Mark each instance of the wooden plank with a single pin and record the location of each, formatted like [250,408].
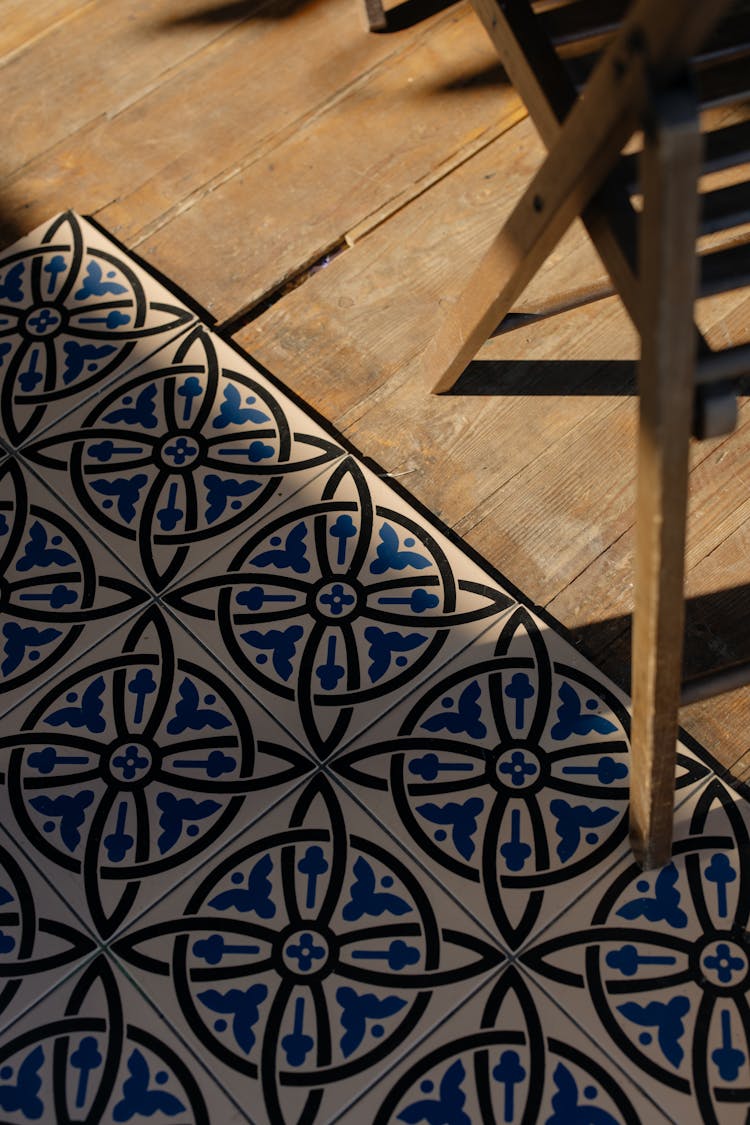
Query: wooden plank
[718,607]
[371,148]
[340,332]
[24,23]
[88,67]
[719,480]
[597,603]
[725,320]
[564,510]
[133,167]
[471,458]
[446,167]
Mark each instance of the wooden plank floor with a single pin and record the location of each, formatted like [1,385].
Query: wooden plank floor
[321,190]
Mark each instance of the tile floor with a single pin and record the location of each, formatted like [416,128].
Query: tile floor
[306,816]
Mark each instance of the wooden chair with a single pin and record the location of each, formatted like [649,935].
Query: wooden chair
[658,62]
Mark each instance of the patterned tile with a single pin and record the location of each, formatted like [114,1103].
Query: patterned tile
[308,959]
[304,817]
[134,765]
[94,1050]
[507,774]
[174,460]
[508,1055]
[41,940]
[75,310]
[60,590]
[339,604]
[656,966]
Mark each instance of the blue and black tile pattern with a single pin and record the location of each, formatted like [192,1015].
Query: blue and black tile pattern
[306,816]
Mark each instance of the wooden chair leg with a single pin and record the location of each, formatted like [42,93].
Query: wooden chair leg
[374,13]
[668,273]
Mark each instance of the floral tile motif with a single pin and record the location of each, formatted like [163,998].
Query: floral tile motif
[307,959]
[507,1056]
[40,938]
[74,311]
[336,607]
[656,966]
[508,774]
[173,460]
[304,816]
[60,591]
[135,764]
[94,1050]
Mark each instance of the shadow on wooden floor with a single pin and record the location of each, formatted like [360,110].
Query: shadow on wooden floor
[411,12]
[399,18]
[547,377]
[10,228]
[717,632]
[555,377]
[488,76]
[236,10]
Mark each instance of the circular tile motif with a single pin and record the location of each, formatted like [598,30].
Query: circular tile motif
[175,457]
[339,604]
[304,959]
[50,589]
[72,309]
[665,961]
[129,768]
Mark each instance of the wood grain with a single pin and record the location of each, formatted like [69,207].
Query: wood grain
[24,23]
[85,69]
[373,147]
[133,165]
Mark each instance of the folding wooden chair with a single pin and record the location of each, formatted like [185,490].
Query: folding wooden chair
[653,56]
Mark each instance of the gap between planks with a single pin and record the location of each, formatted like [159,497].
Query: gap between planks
[275,141]
[448,165]
[236,321]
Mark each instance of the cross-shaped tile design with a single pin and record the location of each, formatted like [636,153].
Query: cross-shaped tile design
[307,816]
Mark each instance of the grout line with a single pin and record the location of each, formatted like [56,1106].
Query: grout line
[79,654]
[247,687]
[567,1012]
[125,971]
[77,968]
[419,685]
[222,847]
[414,1047]
[495,938]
